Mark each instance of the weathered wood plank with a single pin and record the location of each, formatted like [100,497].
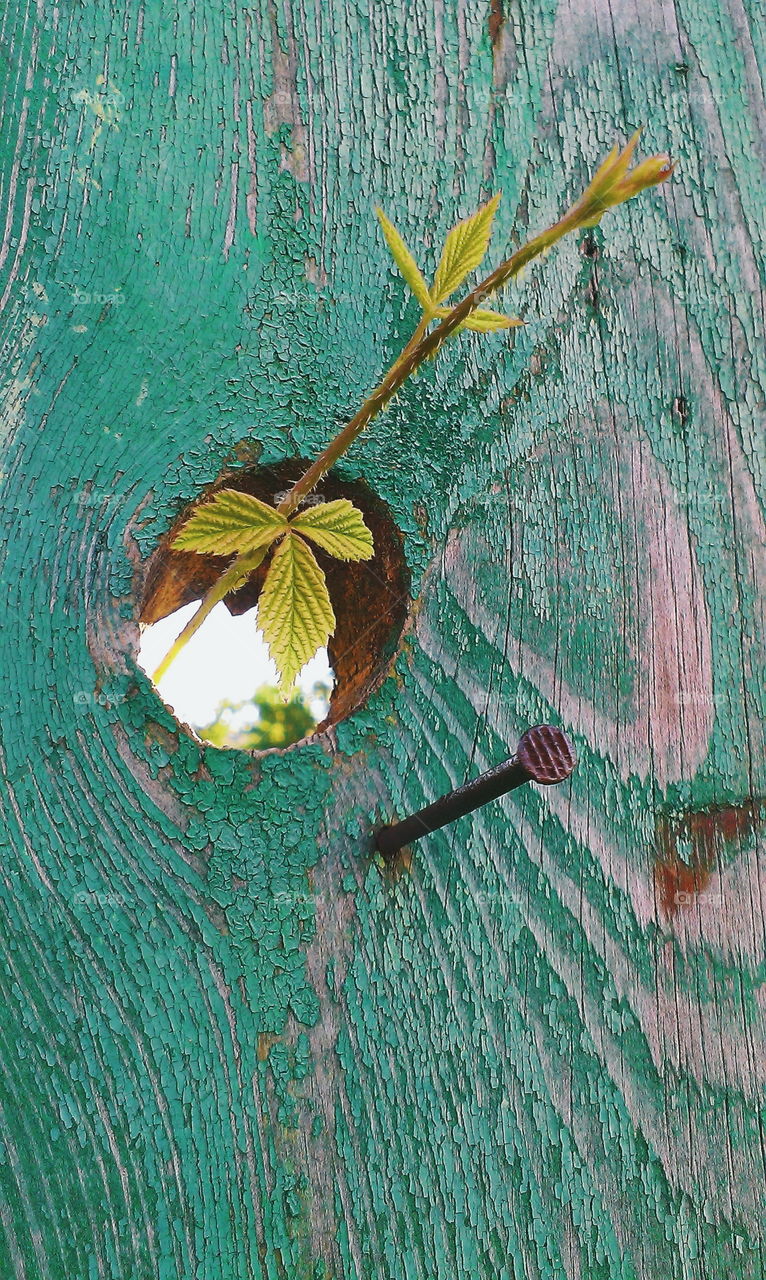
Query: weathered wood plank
[230,1046]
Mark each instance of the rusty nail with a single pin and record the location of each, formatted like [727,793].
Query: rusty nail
[544,755]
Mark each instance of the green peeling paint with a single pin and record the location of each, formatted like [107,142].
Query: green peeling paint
[233,1045]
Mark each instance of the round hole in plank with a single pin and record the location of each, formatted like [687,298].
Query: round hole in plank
[223,684]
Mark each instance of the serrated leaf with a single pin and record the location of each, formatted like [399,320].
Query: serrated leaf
[338,527]
[230,522]
[483,320]
[405,262]
[294,610]
[463,250]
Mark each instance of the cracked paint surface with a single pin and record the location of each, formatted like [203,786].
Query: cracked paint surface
[232,1046]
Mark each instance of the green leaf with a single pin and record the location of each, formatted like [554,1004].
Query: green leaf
[337,527]
[483,320]
[229,522]
[463,250]
[405,262]
[294,610]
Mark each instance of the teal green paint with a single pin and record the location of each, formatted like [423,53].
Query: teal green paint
[467,1054]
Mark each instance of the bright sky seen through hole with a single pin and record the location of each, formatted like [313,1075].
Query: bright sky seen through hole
[226,661]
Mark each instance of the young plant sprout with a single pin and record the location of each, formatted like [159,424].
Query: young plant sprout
[294,609]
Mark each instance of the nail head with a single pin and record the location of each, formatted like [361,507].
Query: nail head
[546,754]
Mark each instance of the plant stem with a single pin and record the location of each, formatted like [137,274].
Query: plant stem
[235,576]
[400,370]
[420,346]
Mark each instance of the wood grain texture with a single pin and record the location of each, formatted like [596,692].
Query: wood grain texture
[231,1047]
